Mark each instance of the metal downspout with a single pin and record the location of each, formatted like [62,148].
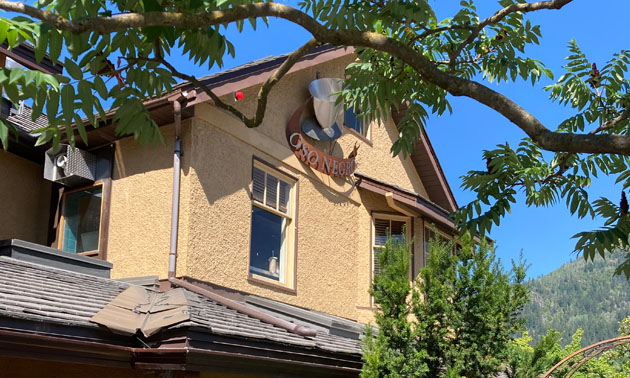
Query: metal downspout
[284,324]
[177,154]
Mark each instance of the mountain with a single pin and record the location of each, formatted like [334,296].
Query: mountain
[579,294]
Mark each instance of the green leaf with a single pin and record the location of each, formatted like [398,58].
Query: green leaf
[82,132]
[99,86]
[73,69]
[56,41]
[12,36]
[4,28]
[40,46]
[38,104]
[67,101]
[52,105]
[4,134]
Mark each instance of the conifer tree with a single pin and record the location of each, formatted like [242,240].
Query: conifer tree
[456,320]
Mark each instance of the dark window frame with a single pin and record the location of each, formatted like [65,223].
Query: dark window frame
[101,239]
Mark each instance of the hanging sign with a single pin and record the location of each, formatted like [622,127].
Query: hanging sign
[312,156]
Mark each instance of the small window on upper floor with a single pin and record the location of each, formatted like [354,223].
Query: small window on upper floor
[384,226]
[429,234]
[81,220]
[351,121]
[271,249]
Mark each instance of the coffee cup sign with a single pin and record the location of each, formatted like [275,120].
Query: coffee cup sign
[311,155]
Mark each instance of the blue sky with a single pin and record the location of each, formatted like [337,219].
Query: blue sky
[544,234]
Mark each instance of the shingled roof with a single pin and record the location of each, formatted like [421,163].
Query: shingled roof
[50,296]
[24,123]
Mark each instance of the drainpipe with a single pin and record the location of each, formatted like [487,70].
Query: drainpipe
[281,323]
[177,154]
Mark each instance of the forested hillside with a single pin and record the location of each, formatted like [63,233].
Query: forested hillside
[579,294]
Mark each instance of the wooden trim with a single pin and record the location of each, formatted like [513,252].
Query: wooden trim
[405,198]
[425,242]
[250,79]
[276,285]
[256,159]
[290,264]
[424,139]
[295,236]
[105,217]
[362,138]
[388,216]
[60,229]
[413,249]
[271,210]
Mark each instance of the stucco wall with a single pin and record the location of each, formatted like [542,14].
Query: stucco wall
[140,218]
[219,237]
[333,246]
[25,205]
[374,157]
[334,219]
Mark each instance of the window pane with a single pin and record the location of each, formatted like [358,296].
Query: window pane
[272,191]
[258,187]
[376,267]
[380,228]
[82,219]
[351,120]
[266,243]
[397,230]
[284,197]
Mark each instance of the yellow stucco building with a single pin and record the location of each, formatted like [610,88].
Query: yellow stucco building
[264,212]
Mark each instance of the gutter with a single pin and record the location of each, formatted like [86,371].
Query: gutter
[291,327]
[389,197]
[414,201]
[43,347]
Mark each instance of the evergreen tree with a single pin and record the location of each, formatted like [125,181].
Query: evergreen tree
[455,321]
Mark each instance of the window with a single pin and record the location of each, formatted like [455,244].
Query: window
[81,220]
[430,234]
[271,257]
[351,121]
[394,226]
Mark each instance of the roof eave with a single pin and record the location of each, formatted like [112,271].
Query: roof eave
[419,204]
[440,193]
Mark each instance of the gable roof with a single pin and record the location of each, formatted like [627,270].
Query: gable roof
[256,72]
[428,166]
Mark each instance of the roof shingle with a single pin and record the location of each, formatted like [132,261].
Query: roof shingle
[43,294]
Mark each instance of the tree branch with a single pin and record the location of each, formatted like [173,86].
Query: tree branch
[456,86]
[263,92]
[613,122]
[501,14]
[427,31]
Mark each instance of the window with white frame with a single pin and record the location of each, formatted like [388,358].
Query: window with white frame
[271,255]
[385,226]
